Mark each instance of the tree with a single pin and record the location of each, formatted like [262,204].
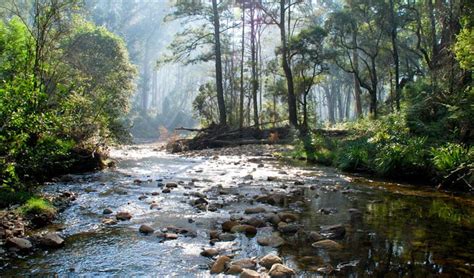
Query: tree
[277,14]
[197,38]
[360,50]
[101,70]
[306,50]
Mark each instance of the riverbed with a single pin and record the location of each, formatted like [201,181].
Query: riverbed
[389,229]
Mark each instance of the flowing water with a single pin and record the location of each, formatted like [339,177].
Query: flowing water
[392,230]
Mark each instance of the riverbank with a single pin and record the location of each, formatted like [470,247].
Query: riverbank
[163,214]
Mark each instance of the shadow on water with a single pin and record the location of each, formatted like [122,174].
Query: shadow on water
[390,230]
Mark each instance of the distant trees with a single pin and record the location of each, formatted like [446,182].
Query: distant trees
[206,33]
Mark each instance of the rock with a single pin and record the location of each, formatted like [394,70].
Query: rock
[299,182]
[171,236]
[154,206]
[245,263]
[276,199]
[248,177]
[288,217]
[42,219]
[89,190]
[248,273]
[109,221]
[334,232]
[328,211]
[219,265]
[247,229]
[51,240]
[315,236]
[107,211]
[171,185]
[327,244]
[234,270]
[142,197]
[227,237]
[228,225]
[285,228]
[211,252]
[257,223]
[166,190]
[273,218]
[281,271]
[18,243]
[273,241]
[269,260]
[145,229]
[328,269]
[123,216]
[199,201]
[272,178]
[254,210]
[213,234]
[155,193]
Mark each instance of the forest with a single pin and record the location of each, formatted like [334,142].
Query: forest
[378,90]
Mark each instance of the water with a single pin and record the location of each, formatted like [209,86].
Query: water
[391,230]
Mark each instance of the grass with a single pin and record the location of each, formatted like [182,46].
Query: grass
[36,205]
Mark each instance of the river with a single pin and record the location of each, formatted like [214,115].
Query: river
[390,229]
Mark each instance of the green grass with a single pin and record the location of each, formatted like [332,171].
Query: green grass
[37,205]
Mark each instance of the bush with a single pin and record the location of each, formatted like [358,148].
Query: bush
[451,156]
[403,159]
[354,155]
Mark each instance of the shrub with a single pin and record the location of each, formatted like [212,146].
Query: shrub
[403,159]
[354,155]
[449,157]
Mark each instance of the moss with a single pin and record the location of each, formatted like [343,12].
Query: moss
[37,205]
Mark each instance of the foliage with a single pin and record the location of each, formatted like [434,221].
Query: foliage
[450,157]
[354,155]
[52,103]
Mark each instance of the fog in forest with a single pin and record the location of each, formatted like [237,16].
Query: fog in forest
[167,87]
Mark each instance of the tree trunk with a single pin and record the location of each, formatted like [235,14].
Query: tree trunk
[219,86]
[253,51]
[292,117]
[241,104]
[357,89]
[393,36]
